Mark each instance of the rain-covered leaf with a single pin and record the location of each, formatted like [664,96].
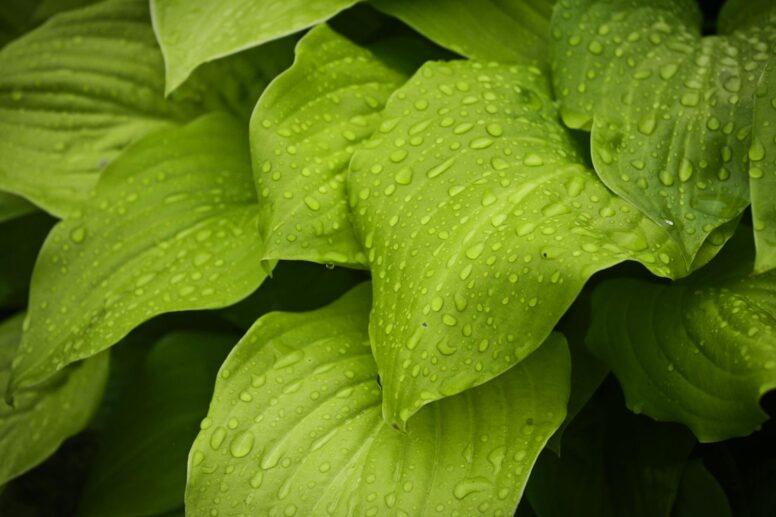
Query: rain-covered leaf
[78,90]
[670,111]
[44,415]
[20,241]
[480,238]
[12,206]
[140,468]
[497,30]
[295,428]
[762,169]
[172,226]
[613,464]
[701,351]
[192,33]
[304,130]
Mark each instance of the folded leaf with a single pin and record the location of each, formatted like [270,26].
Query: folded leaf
[295,428]
[670,111]
[303,133]
[43,416]
[762,169]
[481,238]
[140,468]
[498,30]
[172,227]
[701,351]
[192,33]
[78,90]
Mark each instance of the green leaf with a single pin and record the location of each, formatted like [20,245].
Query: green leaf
[78,90]
[43,416]
[12,206]
[303,133]
[762,170]
[140,468]
[670,111]
[172,227]
[497,30]
[20,241]
[295,428]
[700,494]
[481,238]
[613,464]
[193,33]
[701,351]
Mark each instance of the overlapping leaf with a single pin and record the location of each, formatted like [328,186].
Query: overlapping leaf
[140,468]
[481,225]
[192,33]
[79,89]
[762,170]
[498,30]
[303,133]
[295,428]
[20,242]
[172,226]
[43,416]
[670,111]
[701,352]
[12,206]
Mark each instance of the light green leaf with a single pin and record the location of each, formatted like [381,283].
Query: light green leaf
[303,133]
[670,111]
[12,206]
[172,227]
[701,351]
[497,30]
[192,33]
[480,239]
[43,416]
[140,468]
[78,90]
[762,170]
[295,428]
[20,242]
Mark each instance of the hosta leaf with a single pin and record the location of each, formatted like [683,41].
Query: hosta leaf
[700,494]
[479,239]
[498,30]
[762,170]
[192,33]
[670,111]
[701,351]
[43,416]
[303,133]
[140,468]
[172,226]
[295,428]
[20,241]
[12,206]
[78,90]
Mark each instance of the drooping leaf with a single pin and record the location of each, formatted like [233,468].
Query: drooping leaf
[613,464]
[303,133]
[481,238]
[295,428]
[670,111]
[140,468]
[762,169]
[78,90]
[12,206]
[700,494]
[193,33]
[20,241]
[172,227]
[496,30]
[701,351]
[43,416]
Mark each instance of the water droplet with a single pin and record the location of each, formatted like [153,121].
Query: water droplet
[242,444]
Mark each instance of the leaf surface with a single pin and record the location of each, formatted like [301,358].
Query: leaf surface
[191,34]
[480,239]
[140,468]
[670,111]
[701,351]
[295,428]
[172,227]
[303,133]
[43,416]
[762,169]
